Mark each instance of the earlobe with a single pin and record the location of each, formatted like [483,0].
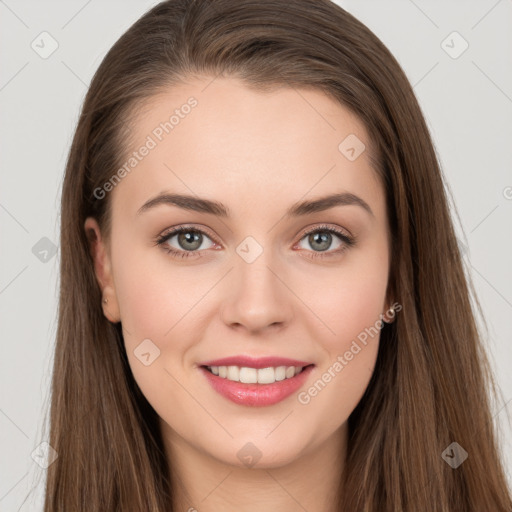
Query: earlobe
[389,314]
[102,270]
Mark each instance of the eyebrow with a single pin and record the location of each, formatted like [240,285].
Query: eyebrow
[301,208]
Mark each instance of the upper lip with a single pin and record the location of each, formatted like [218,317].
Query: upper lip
[255,362]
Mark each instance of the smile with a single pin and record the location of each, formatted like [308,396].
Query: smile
[256,382]
[250,375]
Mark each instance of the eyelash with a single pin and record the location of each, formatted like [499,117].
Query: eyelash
[349,241]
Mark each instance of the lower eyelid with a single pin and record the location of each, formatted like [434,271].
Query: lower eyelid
[345,240]
[333,233]
[164,240]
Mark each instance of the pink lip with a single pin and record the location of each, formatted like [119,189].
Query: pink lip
[257,395]
[259,362]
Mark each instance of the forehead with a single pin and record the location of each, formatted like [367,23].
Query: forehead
[220,139]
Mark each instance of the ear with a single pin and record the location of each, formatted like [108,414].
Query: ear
[390,312]
[102,269]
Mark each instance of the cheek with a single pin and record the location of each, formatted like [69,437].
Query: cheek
[349,301]
[153,307]
[158,302]
[141,303]
[151,298]
[350,307]
[354,323]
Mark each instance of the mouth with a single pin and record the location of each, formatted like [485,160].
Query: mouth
[249,375]
[256,387]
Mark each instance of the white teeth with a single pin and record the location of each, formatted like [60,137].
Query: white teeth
[247,375]
[233,373]
[266,375]
[281,373]
[252,375]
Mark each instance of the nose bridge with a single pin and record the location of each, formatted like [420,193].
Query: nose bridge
[253,269]
[257,296]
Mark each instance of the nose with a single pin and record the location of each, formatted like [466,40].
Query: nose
[257,297]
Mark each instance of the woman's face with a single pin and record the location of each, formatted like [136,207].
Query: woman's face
[256,274]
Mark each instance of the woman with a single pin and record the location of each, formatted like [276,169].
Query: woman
[255,368]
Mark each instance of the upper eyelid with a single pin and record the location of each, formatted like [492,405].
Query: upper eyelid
[167,234]
[176,231]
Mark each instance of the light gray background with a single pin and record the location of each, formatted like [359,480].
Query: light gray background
[467,102]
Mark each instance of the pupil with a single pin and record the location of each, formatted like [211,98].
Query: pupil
[193,237]
[325,239]
[187,237]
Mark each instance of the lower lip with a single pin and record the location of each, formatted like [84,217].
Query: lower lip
[257,395]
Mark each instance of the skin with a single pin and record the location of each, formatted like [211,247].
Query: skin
[258,153]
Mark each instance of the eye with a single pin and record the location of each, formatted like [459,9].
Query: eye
[321,238]
[189,241]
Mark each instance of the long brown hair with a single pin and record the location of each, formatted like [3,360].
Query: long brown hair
[432,380]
